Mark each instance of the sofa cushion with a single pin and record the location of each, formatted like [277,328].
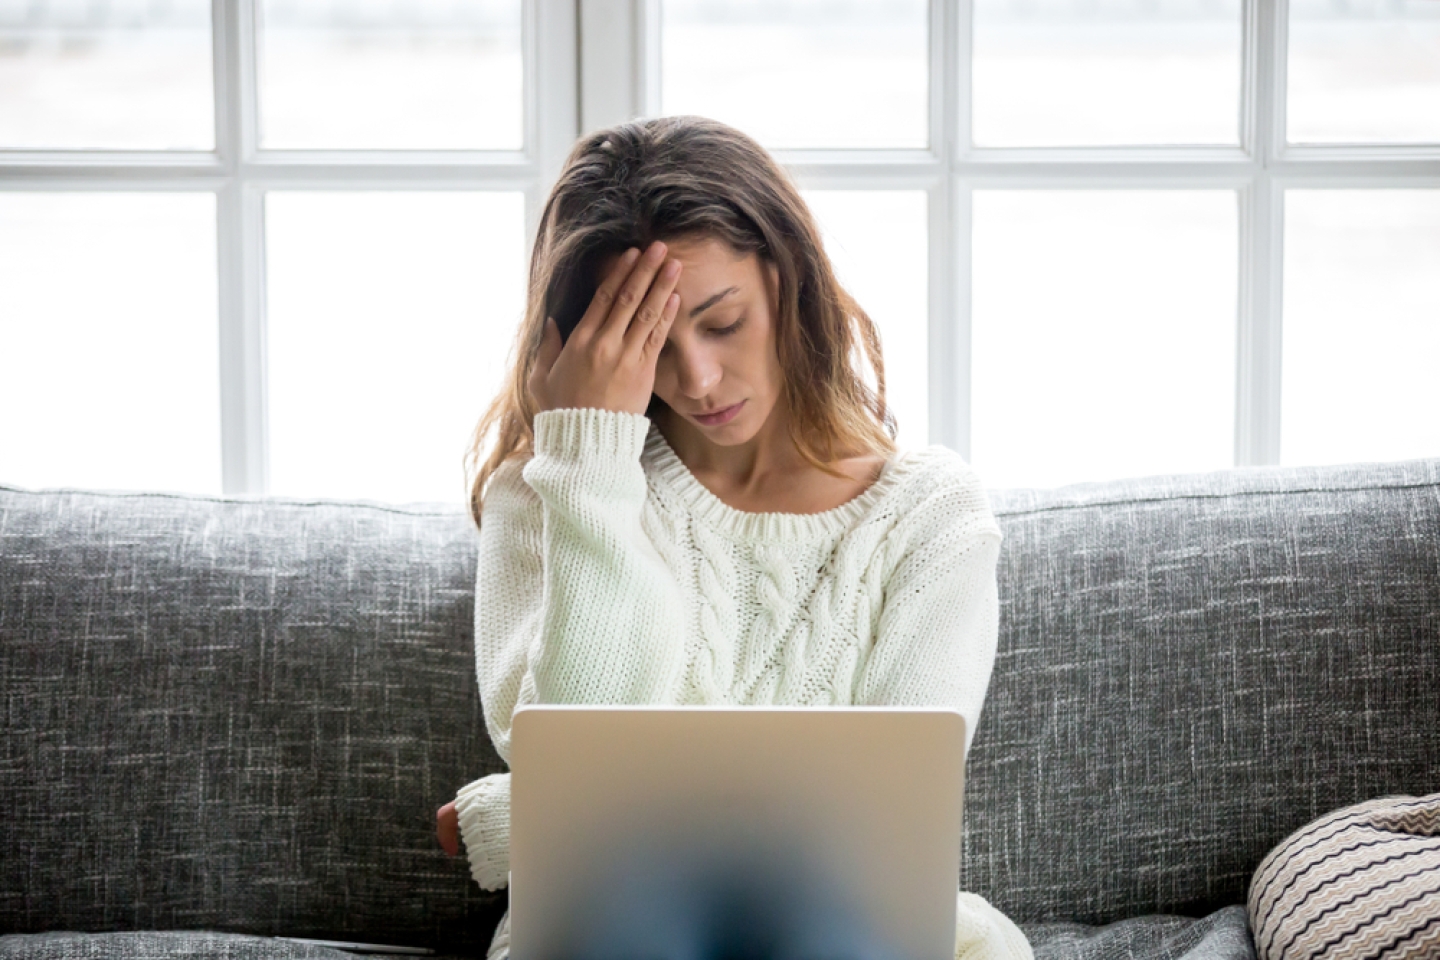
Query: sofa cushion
[169,945]
[236,715]
[176,945]
[1189,669]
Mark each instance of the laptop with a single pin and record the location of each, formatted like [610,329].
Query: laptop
[652,832]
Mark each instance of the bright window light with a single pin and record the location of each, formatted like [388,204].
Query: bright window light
[801,73]
[1104,334]
[1362,326]
[1364,71]
[109,354]
[390,319]
[876,241]
[424,74]
[116,76]
[1073,73]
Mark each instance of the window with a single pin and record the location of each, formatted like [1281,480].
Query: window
[267,246]
[278,246]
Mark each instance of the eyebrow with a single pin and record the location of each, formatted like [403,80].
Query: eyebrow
[712,301]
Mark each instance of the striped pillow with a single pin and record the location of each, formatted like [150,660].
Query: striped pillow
[1363,882]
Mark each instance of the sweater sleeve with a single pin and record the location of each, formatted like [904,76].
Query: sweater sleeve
[939,619]
[935,646]
[572,602]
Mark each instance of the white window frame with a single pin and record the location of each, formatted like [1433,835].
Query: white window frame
[1260,169]
[591,63]
[238,173]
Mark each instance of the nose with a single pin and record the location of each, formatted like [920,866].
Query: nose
[697,372]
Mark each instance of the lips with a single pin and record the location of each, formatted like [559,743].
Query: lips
[721,416]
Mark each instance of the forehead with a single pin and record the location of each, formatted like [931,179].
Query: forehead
[708,263]
[706,255]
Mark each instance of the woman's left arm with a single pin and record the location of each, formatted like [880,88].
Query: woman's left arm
[935,647]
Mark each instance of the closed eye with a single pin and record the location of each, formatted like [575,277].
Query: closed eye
[726,331]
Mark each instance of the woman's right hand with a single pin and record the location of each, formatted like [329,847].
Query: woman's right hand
[447,828]
[609,361]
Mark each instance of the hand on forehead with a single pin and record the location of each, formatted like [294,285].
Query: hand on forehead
[714,274]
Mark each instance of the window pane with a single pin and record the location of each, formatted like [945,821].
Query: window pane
[877,243]
[801,73]
[1103,334]
[1077,73]
[109,369]
[1362,326]
[389,321]
[427,74]
[131,76]
[1364,70]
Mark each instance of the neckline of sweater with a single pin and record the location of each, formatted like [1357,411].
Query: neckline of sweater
[666,465]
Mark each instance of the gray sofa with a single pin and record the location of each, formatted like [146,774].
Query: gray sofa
[227,720]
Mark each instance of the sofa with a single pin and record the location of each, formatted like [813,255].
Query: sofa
[232,720]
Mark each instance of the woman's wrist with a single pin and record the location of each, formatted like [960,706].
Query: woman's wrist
[581,433]
[483,814]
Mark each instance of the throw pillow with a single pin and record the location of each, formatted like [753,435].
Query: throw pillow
[1362,882]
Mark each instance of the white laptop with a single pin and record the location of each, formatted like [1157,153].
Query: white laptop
[646,833]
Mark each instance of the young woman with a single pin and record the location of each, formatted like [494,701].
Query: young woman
[688,494]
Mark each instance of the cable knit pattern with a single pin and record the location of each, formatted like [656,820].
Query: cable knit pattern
[609,574]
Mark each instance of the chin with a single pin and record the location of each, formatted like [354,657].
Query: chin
[732,434]
[741,430]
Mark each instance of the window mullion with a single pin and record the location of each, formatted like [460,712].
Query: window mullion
[551,55]
[241,251]
[950,340]
[619,61]
[949,228]
[1258,342]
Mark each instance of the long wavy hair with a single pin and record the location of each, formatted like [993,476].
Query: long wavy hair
[689,177]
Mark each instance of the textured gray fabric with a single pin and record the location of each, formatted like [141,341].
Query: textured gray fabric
[236,715]
[1190,669]
[241,716]
[1221,936]
[158,946]
[178,945]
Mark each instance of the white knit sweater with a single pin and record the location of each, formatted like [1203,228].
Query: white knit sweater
[609,574]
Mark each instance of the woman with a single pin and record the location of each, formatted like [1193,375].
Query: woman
[691,494]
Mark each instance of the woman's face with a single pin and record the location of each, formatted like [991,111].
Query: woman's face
[719,371]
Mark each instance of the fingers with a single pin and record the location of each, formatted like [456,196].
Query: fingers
[652,310]
[639,294]
[654,338]
[635,294]
[447,828]
[550,346]
[606,295]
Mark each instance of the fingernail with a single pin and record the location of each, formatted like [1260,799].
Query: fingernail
[672,269]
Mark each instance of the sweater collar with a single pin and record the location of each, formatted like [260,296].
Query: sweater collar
[665,468]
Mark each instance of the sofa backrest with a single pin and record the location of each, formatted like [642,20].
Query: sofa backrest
[242,715]
[236,716]
[1190,669]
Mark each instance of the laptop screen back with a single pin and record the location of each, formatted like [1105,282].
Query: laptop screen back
[785,823]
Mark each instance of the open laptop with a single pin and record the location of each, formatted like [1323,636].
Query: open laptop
[653,832]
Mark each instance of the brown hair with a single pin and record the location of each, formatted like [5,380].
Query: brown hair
[685,177]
